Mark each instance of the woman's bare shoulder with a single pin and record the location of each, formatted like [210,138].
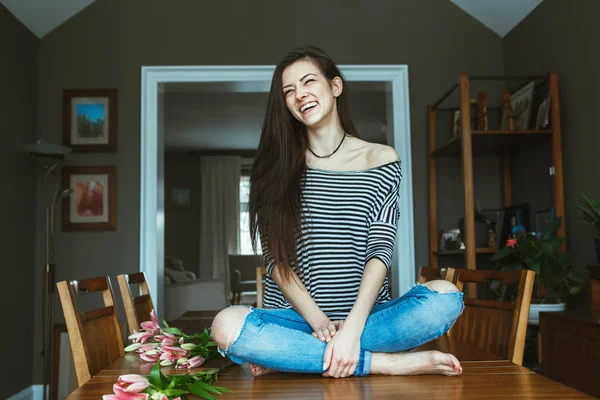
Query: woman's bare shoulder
[372,155]
[380,154]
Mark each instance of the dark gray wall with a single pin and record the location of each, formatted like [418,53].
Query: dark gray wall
[562,36]
[18,81]
[106,45]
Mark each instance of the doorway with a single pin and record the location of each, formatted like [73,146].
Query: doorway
[393,79]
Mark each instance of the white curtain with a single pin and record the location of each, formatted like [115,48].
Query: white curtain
[219,215]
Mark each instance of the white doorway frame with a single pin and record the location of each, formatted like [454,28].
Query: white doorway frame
[152,219]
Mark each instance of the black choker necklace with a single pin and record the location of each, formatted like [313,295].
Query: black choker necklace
[329,155]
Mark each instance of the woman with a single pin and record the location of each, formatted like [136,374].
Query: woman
[326,206]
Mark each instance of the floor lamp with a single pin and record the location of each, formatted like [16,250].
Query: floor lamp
[50,156]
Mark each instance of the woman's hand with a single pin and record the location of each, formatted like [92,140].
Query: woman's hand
[342,353]
[326,331]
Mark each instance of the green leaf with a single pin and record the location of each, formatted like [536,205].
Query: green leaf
[174,392]
[552,227]
[155,377]
[174,331]
[546,248]
[208,388]
[574,290]
[164,323]
[503,253]
[198,391]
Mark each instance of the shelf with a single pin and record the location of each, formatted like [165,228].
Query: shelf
[481,250]
[496,142]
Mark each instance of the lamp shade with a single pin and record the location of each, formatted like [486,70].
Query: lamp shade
[40,149]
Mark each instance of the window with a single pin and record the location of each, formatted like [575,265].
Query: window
[245,242]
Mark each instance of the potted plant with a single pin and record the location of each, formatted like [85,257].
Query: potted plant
[554,278]
[591,213]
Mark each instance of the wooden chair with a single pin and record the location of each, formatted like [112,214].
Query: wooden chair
[137,308]
[95,336]
[261,273]
[498,327]
[427,274]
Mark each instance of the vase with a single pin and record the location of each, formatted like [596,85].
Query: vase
[597,243]
[536,308]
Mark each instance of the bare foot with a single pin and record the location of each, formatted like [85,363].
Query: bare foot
[417,363]
[257,370]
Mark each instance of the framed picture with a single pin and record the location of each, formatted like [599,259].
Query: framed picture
[515,223]
[520,102]
[450,240]
[181,198]
[92,203]
[542,219]
[90,120]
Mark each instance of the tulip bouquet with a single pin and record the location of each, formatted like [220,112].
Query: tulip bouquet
[170,346]
[160,387]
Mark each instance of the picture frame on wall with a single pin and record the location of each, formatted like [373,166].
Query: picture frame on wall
[92,204]
[521,104]
[90,120]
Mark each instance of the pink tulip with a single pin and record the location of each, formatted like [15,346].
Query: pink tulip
[174,349]
[147,347]
[193,362]
[140,337]
[129,387]
[150,358]
[152,326]
[123,395]
[181,340]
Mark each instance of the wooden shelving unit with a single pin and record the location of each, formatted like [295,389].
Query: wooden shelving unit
[485,143]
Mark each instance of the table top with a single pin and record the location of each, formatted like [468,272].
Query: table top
[585,318]
[483,374]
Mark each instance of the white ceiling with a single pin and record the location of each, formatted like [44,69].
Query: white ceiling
[501,16]
[42,16]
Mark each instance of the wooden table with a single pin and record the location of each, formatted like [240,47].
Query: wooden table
[484,376]
[571,349]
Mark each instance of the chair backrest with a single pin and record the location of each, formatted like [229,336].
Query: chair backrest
[95,336]
[427,274]
[245,263]
[137,308]
[496,326]
[261,273]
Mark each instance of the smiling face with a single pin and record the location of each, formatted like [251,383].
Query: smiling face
[309,95]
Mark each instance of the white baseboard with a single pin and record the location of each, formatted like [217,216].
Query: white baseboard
[33,392]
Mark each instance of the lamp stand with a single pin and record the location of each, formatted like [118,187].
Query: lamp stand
[51,200]
[51,156]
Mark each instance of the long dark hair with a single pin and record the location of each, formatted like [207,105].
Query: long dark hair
[275,181]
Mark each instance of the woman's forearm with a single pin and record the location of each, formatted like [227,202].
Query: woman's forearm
[295,292]
[373,277]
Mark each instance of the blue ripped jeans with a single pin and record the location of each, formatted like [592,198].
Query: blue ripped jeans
[280,339]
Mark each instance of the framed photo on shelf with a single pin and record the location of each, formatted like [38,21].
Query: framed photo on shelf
[542,219]
[92,204]
[520,102]
[515,222]
[90,120]
[450,240]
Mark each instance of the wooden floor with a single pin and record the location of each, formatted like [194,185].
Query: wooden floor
[485,376]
